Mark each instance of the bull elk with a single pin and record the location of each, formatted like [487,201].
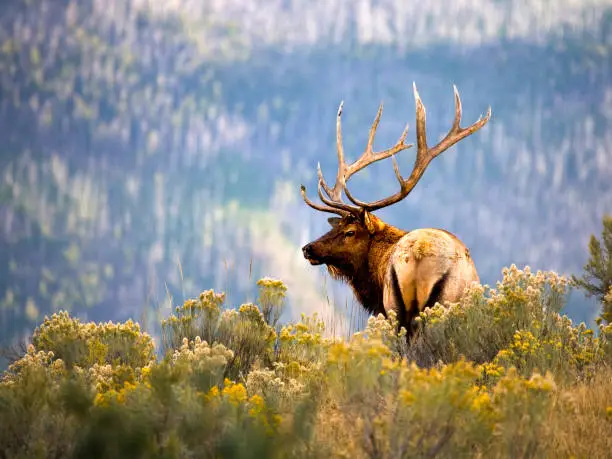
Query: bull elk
[389,268]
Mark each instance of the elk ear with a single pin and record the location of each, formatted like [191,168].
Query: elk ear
[372,222]
[334,221]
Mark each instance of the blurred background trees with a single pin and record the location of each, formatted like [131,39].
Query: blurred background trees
[151,150]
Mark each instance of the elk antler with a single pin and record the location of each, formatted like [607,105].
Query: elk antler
[424,154]
[333,200]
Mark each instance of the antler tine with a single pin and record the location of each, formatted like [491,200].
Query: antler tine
[319,207]
[335,193]
[334,199]
[424,154]
[373,128]
[322,181]
[340,149]
[457,120]
[363,204]
[339,205]
[456,133]
[368,157]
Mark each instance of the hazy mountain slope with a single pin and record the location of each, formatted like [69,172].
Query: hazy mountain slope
[129,135]
[407,24]
[543,156]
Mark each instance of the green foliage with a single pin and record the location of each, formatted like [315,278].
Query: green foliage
[597,278]
[271,299]
[525,329]
[107,82]
[84,345]
[244,331]
[496,383]
[86,87]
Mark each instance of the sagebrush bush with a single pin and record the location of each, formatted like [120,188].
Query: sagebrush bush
[518,324]
[271,299]
[501,374]
[81,344]
[245,331]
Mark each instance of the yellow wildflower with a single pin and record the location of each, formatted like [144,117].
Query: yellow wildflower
[407,397]
[234,393]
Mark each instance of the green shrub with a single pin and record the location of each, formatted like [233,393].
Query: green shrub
[597,278]
[245,331]
[271,299]
[518,324]
[85,344]
[501,374]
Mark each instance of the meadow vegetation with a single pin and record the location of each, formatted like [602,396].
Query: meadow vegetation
[501,374]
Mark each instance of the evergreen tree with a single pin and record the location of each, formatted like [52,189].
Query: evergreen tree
[597,278]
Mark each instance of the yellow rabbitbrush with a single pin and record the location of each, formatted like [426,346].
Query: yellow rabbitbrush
[499,384]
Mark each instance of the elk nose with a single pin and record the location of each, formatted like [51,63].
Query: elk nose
[307,250]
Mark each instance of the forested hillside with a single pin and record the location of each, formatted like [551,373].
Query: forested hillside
[155,149]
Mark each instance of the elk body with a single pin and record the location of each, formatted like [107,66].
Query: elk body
[387,267]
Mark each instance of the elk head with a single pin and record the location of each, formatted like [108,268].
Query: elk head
[347,247]
[347,244]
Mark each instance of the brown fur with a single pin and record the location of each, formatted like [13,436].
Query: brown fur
[388,268]
[381,263]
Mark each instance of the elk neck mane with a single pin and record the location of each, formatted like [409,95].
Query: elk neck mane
[367,280]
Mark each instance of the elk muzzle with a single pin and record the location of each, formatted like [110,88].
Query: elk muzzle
[310,255]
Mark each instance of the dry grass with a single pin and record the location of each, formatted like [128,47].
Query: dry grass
[580,426]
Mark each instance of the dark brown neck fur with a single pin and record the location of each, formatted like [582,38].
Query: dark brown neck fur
[368,279]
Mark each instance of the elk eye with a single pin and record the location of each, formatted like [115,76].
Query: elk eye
[349,233]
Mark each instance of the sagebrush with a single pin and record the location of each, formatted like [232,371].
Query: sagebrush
[501,374]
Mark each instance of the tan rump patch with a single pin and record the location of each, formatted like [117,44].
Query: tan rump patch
[428,242]
[422,247]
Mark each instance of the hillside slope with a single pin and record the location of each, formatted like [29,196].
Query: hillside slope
[129,135]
